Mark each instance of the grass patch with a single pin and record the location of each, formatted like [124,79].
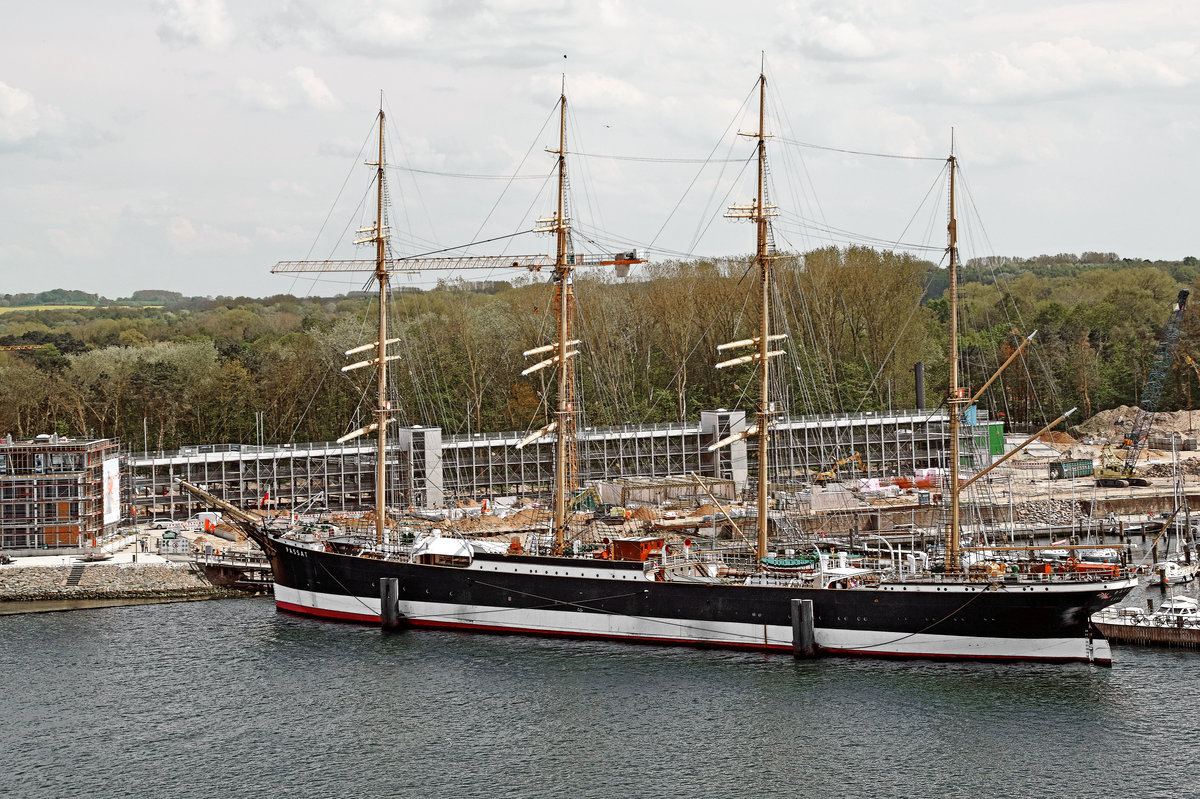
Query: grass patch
[16,308]
[45,308]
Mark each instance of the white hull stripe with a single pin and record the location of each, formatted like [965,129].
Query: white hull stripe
[726,634]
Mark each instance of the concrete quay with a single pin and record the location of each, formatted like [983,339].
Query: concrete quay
[127,575]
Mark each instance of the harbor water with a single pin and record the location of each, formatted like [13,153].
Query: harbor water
[229,698]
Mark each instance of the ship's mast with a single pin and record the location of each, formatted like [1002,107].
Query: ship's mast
[760,213]
[958,396]
[382,406]
[565,416]
[764,334]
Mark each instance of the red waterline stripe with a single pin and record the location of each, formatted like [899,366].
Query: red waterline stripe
[336,615]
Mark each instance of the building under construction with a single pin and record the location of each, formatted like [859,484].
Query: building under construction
[57,492]
[429,469]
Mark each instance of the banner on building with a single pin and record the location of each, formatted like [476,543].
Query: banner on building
[112,491]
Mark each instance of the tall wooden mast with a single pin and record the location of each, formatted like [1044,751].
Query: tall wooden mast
[958,396]
[565,461]
[765,407]
[566,467]
[382,406]
[760,213]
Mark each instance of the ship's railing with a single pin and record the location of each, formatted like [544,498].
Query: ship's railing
[1007,578]
[241,560]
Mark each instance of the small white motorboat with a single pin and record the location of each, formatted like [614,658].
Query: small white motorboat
[1169,572]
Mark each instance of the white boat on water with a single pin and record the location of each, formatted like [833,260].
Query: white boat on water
[1169,572]
[1178,612]
[1179,609]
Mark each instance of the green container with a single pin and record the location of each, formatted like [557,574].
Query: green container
[1060,470]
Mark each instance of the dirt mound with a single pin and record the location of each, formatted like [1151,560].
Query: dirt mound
[643,513]
[1113,425]
[529,516]
[1055,437]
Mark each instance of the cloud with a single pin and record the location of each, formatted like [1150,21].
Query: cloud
[1065,67]
[340,147]
[289,188]
[314,90]
[29,126]
[194,23]
[348,26]
[20,118]
[186,237]
[303,89]
[828,39]
[596,92]
[259,95]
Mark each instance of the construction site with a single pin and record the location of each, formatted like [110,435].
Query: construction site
[893,494]
[428,470]
[57,492]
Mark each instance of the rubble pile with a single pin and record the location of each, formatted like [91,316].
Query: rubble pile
[104,581]
[1189,466]
[1049,511]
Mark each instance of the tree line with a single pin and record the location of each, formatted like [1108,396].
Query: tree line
[197,370]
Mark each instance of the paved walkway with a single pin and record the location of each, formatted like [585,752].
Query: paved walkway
[122,551]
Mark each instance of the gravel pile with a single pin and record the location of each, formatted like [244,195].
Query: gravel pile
[1050,511]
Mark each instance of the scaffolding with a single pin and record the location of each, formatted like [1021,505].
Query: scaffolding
[52,491]
[429,469]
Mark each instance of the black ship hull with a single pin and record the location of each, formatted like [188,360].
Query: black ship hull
[997,620]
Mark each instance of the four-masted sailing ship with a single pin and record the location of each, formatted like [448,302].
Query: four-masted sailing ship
[906,609]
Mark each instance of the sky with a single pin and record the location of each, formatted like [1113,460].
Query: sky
[188,145]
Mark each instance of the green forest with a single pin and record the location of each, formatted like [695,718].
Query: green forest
[161,370]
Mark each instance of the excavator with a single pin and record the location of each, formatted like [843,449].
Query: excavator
[830,474]
[1113,472]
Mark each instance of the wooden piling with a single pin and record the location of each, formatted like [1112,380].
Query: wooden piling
[389,603]
[804,644]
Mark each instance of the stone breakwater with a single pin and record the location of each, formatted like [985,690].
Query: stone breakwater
[107,581]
